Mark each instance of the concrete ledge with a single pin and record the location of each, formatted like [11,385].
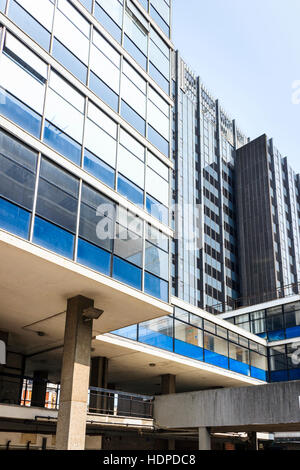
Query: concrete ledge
[264,408]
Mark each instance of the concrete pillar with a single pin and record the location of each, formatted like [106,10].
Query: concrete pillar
[3,347]
[98,378]
[168,384]
[71,423]
[39,388]
[204,439]
[252,439]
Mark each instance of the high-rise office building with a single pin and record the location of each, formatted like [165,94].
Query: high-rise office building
[205,142]
[121,217]
[268,213]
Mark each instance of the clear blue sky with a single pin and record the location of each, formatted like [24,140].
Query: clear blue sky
[247,53]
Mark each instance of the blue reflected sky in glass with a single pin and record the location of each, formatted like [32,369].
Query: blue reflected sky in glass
[96,167]
[130,191]
[14,219]
[2,5]
[22,115]
[62,143]
[53,238]
[133,118]
[157,210]
[69,60]
[160,22]
[87,4]
[93,257]
[104,91]
[156,287]
[159,78]
[127,273]
[28,24]
[135,52]
[156,139]
[107,22]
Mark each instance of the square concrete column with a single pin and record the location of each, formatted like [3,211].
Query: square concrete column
[71,423]
[39,388]
[204,439]
[98,378]
[168,384]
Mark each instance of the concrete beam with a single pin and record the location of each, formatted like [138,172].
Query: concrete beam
[263,408]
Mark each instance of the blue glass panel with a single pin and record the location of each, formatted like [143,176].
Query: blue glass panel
[294,374]
[104,92]
[259,374]
[13,219]
[216,359]
[279,376]
[129,332]
[239,367]
[160,22]
[188,350]
[157,210]
[2,5]
[159,78]
[276,335]
[107,23]
[144,3]
[130,191]
[156,287]
[154,338]
[69,61]
[98,168]
[156,139]
[293,332]
[135,52]
[133,118]
[18,112]
[127,273]
[87,4]
[261,335]
[28,24]
[62,143]
[93,257]
[53,238]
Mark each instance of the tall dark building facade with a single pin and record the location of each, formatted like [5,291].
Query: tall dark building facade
[267,193]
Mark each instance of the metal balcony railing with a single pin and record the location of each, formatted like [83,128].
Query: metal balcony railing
[18,390]
[261,297]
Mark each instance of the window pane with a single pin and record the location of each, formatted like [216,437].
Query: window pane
[21,114]
[157,210]
[156,261]
[156,287]
[156,139]
[53,238]
[128,245]
[97,218]
[188,341]
[62,143]
[104,92]
[135,52]
[130,191]
[107,22]
[131,167]
[100,143]
[57,196]
[22,84]
[133,118]
[28,24]
[158,333]
[93,257]
[99,169]
[17,171]
[69,60]
[127,273]
[14,219]
[72,38]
